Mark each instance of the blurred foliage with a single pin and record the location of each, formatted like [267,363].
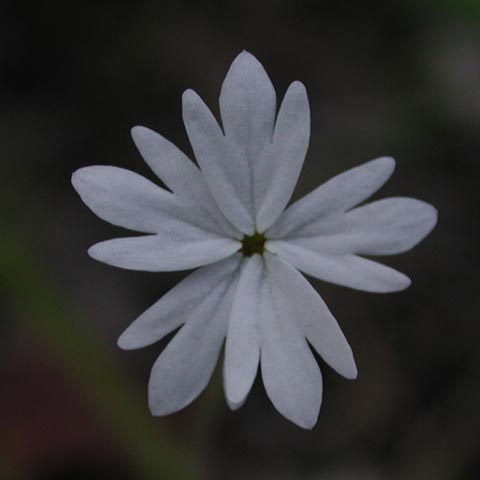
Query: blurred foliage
[41,307]
[467,9]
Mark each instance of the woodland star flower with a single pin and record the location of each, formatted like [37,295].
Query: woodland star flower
[228,217]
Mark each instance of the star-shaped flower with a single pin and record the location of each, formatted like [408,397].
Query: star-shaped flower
[228,218]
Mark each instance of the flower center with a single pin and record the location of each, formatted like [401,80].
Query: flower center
[252,244]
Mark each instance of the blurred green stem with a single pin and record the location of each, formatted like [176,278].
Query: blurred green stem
[43,311]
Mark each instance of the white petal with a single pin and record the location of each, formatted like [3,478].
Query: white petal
[307,216]
[242,348]
[124,198]
[385,227]
[388,226]
[290,373]
[224,177]
[347,270]
[184,368]
[278,171]
[129,200]
[180,305]
[252,169]
[165,252]
[247,105]
[179,174]
[247,108]
[313,316]
[168,162]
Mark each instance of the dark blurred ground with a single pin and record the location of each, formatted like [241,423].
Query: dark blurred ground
[396,78]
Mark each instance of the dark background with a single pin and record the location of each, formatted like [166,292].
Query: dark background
[398,78]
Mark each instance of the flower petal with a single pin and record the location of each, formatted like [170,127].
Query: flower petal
[313,316]
[242,348]
[165,252]
[184,368]
[388,226]
[124,198]
[247,106]
[253,168]
[347,270]
[307,216]
[179,174]
[225,178]
[129,200]
[168,162]
[178,306]
[277,173]
[290,373]
[385,227]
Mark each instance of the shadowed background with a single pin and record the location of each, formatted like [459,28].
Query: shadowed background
[400,80]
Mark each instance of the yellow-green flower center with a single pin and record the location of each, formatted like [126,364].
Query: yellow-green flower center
[252,244]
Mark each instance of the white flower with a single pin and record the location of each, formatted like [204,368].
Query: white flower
[228,218]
